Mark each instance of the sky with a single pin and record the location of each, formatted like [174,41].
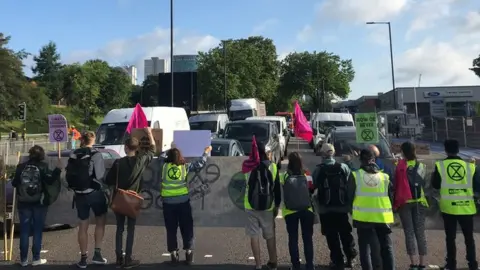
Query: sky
[435,38]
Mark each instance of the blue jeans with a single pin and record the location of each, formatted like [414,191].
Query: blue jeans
[95,201]
[32,218]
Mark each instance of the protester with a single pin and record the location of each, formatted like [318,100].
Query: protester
[177,210]
[372,210]
[457,181]
[297,209]
[397,126]
[29,180]
[75,136]
[379,162]
[85,173]
[263,196]
[330,179]
[411,204]
[126,173]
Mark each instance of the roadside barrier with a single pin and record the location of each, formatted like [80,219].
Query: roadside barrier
[7,212]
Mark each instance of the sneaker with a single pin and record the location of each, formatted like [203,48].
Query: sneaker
[82,263]
[130,263]
[24,263]
[271,266]
[120,261]
[39,262]
[446,267]
[295,267]
[350,263]
[99,259]
[189,257]
[174,257]
[413,267]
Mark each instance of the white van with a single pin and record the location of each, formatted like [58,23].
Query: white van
[111,133]
[324,120]
[283,134]
[215,122]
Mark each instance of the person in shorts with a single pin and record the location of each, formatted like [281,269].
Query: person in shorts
[262,222]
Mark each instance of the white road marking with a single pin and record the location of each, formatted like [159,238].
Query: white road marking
[43,251]
[165,254]
[208,256]
[433,266]
[251,258]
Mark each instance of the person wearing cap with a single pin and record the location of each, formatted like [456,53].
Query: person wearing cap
[372,212]
[334,216]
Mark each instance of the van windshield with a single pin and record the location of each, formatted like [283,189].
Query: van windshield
[206,125]
[112,133]
[240,115]
[324,125]
[245,131]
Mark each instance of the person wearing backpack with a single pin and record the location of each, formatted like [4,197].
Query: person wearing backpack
[30,181]
[126,173]
[84,174]
[411,204]
[263,196]
[297,208]
[330,179]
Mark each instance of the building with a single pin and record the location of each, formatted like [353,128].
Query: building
[362,104]
[185,63]
[154,66]
[131,71]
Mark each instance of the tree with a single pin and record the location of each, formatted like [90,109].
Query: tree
[47,71]
[317,75]
[147,93]
[476,66]
[117,88]
[252,71]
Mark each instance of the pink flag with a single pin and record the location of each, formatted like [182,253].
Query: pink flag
[254,160]
[138,119]
[302,128]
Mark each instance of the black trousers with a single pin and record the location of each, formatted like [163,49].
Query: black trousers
[370,237]
[337,229]
[306,220]
[466,225]
[178,215]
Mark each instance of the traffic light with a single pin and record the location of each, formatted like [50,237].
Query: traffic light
[22,111]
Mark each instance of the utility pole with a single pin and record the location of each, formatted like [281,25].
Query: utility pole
[224,43]
[171,51]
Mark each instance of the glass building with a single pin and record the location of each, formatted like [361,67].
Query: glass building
[185,63]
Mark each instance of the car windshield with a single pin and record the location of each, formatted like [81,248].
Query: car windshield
[206,125]
[346,143]
[240,115]
[244,131]
[112,133]
[324,125]
[220,149]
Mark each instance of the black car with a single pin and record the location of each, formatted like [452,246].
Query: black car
[265,132]
[226,148]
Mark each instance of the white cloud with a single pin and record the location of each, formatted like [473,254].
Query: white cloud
[379,34]
[305,34]
[362,11]
[135,50]
[428,14]
[264,26]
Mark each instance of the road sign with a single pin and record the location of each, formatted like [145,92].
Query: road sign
[58,128]
[366,127]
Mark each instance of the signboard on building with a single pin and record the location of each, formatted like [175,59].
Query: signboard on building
[448,93]
[438,108]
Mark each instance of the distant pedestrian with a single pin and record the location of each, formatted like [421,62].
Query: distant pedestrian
[30,180]
[411,204]
[126,173]
[298,209]
[177,210]
[397,126]
[85,175]
[330,179]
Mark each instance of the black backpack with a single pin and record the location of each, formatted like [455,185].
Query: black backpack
[30,188]
[296,195]
[77,170]
[333,188]
[260,188]
[414,181]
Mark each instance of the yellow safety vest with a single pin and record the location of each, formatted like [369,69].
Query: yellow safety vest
[456,191]
[286,211]
[372,204]
[174,180]
[422,199]
[273,169]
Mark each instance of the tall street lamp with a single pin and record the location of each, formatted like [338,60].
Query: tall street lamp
[224,45]
[391,60]
[171,50]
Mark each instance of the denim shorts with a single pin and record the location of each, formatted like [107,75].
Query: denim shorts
[96,201]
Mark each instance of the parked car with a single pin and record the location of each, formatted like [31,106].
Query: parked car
[108,155]
[226,148]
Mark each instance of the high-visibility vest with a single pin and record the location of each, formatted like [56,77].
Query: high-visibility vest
[286,211]
[174,180]
[456,191]
[273,169]
[372,204]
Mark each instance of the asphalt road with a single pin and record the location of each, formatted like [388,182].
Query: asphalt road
[217,248]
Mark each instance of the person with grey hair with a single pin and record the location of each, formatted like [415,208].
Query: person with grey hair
[330,180]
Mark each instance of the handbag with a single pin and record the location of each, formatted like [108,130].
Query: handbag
[125,202]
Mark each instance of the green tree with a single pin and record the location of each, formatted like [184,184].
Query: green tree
[252,71]
[476,66]
[117,88]
[47,71]
[147,93]
[317,75]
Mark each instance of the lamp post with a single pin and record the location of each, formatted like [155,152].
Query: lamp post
[391,60]
[224,45]
[171,50]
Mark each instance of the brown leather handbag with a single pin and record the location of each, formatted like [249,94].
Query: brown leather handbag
[125,202]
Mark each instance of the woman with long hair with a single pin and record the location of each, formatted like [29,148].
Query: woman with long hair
[411,204]
[294,182]
[177,210]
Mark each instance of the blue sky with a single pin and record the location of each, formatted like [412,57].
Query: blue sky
[437,38]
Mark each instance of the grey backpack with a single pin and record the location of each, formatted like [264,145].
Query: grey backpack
[296,195]
[30,188]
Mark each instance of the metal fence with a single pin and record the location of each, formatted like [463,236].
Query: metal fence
[466,130]
[9,149]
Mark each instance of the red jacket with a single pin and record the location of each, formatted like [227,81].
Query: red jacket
[401,186]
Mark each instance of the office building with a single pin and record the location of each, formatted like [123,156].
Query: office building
[131,71]
[185,63]
[154,66]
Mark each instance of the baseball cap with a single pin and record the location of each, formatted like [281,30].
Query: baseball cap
[327,148]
